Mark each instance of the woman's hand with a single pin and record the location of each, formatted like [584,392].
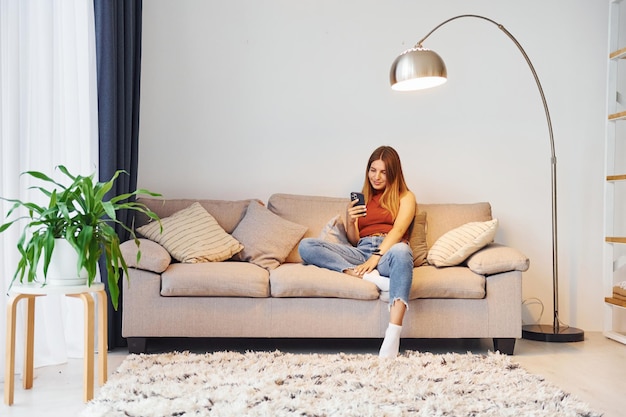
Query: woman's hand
[352,216]
[367,266]
[354,212]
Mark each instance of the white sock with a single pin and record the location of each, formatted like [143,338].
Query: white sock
[381,282]
[391,344]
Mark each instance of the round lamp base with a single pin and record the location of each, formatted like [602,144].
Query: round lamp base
[548,333]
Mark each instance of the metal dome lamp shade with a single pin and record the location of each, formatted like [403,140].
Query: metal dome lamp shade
[420,68]
[417,69]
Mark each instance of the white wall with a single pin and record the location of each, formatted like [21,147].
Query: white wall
[246,98]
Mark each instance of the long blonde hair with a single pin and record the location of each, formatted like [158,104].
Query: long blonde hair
[396,185]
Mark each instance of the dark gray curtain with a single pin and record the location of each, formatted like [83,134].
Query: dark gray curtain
[118,51]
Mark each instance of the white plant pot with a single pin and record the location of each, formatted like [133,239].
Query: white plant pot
[62,267]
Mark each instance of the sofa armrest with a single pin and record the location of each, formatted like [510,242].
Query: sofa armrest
[496,258]
[154,257]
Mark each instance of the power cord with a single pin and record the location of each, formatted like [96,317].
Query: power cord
[534,300]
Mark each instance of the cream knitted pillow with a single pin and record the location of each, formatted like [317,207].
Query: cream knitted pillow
[192,235]
[458,244]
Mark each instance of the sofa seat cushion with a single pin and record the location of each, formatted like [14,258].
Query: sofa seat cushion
[451,282]
[218,279]
[298,280]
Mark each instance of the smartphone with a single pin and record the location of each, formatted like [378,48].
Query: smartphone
[357,196]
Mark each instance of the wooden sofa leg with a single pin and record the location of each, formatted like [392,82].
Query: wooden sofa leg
[137,344]
[505,345]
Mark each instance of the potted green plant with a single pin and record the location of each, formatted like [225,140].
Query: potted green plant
[78,214]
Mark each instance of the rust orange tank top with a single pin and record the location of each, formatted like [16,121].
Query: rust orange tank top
[378,219]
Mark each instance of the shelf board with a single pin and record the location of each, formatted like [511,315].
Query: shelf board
[615,239]
[619,54]
[618,337]
[615,301]
[620,177]
[617,116]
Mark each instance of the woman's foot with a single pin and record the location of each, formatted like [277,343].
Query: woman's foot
[391,343]
[351,273]
[381,282]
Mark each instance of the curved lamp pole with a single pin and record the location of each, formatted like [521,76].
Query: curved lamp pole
[419,68]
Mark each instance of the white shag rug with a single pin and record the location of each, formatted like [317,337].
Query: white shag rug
[286,384]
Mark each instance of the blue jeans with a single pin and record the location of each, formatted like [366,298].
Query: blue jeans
[396,263]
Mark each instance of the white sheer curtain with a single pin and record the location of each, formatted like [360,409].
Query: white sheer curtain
[48,117]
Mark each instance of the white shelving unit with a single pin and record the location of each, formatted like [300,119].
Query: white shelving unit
[615,171]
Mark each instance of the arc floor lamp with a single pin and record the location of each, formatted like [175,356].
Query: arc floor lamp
[419,68]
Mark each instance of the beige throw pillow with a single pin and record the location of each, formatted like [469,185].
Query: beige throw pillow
[335,231]
[458,244]
[192,235]
[266,237]
[495,258]
[417,239]
[153,258]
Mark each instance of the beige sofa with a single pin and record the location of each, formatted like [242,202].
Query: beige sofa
[266,292]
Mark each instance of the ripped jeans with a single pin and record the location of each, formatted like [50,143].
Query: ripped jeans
[396,263]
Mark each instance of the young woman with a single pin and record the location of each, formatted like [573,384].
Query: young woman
[379,233]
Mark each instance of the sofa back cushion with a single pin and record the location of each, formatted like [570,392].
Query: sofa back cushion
[441,218]
[310,211]
[228,214]
[192,235]
[314,212]
[431,222]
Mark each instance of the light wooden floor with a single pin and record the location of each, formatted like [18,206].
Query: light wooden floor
[594,370]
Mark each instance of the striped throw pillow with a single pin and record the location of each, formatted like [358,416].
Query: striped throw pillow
[458,244]
[192,235]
